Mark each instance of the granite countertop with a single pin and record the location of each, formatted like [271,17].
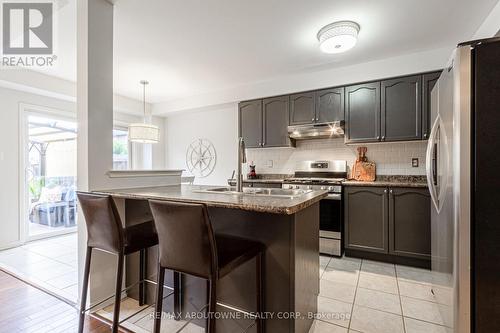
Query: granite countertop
[392,181]
[268,178]
[187,193]
[382,180]
[270,181]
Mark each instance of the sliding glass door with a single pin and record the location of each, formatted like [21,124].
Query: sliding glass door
[50,175]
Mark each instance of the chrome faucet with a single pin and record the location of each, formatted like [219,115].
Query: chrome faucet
[242,158]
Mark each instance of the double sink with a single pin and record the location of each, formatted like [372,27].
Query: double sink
[269,192]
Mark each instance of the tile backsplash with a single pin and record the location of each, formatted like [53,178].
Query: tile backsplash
[391,158]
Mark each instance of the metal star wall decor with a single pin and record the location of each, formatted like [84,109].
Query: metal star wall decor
[201,158]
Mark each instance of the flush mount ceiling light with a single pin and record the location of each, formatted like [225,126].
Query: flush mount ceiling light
[143,132]
[338,37]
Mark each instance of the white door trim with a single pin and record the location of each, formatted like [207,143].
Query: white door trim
[25,110]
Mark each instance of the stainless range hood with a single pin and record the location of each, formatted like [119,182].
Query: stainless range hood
[317,131]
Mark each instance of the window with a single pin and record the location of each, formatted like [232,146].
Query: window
[121,149]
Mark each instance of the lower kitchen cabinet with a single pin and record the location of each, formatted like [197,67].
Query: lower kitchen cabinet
[388,224]
[366,219]
[409,222]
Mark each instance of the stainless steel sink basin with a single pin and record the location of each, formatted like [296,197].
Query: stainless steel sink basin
[270,192]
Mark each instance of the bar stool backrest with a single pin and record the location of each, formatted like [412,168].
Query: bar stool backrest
[185,237]
[104,227]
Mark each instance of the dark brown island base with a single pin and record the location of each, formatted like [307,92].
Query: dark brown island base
[289,228]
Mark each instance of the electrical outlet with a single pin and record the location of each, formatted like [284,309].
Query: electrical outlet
[414,162]
[269,163]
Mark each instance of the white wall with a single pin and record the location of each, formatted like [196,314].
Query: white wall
[491,24]
[391,158]
[217,124]
[158,150]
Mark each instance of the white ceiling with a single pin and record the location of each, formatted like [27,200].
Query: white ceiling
[192,47]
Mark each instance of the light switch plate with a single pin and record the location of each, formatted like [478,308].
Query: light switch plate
[414,162]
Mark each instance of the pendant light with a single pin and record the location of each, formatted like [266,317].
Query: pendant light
[143,132]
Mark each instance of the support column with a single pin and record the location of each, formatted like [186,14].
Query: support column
[95,125]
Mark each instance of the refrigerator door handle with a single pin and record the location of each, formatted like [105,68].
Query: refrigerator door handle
[431,163]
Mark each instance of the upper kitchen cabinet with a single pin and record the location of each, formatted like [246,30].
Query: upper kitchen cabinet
[275,115]
[395,109]
[401,109]
[428,82]
[362,111]
[250,119]
[329,105]
[302,109]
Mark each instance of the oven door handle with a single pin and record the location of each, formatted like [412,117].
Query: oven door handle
[334,196]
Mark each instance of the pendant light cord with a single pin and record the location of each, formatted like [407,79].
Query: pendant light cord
[144,99]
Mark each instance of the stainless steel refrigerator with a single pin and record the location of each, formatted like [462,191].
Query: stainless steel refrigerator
[463,174]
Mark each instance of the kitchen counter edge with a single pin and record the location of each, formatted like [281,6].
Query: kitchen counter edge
[385,184]
[219,200]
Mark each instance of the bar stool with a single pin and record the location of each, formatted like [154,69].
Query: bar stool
[106,232]
[187,244]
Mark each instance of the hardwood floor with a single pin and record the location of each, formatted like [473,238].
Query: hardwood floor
[24,308]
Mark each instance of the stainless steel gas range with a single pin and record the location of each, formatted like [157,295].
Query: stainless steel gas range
[324,175]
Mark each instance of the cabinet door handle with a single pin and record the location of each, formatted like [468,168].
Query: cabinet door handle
[378,137]
[312,119]
[385,191]
[263,143]
[383,137]
[390,191]
[317,119]
[425,135]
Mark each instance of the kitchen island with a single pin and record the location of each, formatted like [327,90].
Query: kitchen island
[287,225]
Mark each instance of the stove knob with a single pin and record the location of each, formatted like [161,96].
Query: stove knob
[309,187]
[330,188]
[297,187]
[323,187]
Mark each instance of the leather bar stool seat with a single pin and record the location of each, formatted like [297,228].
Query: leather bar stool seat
[106,232]
[188,245]
[140,236]
[232,252]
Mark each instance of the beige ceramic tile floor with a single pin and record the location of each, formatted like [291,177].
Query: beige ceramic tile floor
[373,297]
[355,296]
[50,263]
